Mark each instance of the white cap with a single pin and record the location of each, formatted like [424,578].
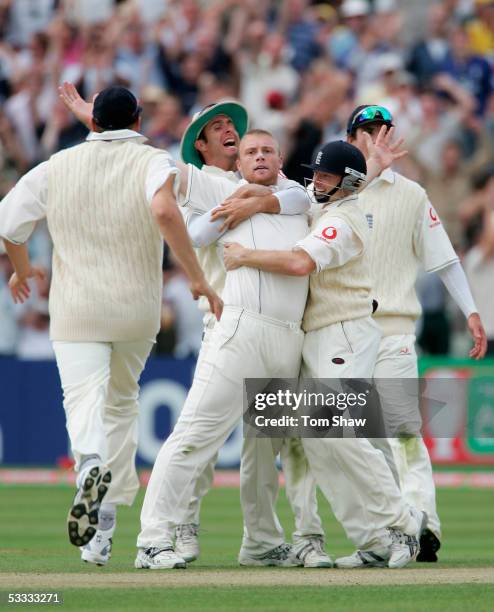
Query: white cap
[389,62]
[355,8]
[384,6]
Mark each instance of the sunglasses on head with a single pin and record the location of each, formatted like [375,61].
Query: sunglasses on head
[372,113]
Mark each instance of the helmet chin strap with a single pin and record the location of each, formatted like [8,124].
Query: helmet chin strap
[323,198]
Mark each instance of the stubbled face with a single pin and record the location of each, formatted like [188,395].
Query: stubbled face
[259,160]
[324,182]
[221,145]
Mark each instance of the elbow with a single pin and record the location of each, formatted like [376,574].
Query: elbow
[164,212]
[195,238]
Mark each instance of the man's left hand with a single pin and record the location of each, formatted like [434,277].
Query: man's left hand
[477,332]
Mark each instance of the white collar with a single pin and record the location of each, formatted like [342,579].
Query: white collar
[229,174]
[348,198]
[116,135]
[386,175]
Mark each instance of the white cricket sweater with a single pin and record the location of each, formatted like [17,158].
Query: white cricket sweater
[395,206]
[342,293]
[107,249]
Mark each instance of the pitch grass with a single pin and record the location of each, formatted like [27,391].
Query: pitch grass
[33,539]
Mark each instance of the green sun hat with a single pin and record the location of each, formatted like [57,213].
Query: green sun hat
[230,108]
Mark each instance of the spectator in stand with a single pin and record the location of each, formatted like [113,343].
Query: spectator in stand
[472,210]
[347,39]
[29,108]
[300,27]
[61,131]
[428,55]
[136,60]
[265,68]
[451,184]
[25,17]
[471,71]
[481,29]
[165,126]
[479,268]
[444,108]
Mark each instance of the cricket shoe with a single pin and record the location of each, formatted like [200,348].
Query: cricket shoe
[311,553]
[363,559]
[429,545]
[281,556]
[158,559]
[98,551]
[82,520]
[187,542]
[404,547]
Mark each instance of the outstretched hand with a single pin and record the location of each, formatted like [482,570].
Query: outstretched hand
[384,151]
[479,337]
[82,110]
[19,288]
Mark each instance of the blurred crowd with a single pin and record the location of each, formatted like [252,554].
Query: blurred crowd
[299,67]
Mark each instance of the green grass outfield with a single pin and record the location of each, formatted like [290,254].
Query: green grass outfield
[34,547]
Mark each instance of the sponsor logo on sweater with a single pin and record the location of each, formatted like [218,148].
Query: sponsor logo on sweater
[433,217]
[329,233]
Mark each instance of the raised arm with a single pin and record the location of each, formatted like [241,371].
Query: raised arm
[382,153]
[82,110]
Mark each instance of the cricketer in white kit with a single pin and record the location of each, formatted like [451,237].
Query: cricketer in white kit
[406,234]
[105,294]
[342,341]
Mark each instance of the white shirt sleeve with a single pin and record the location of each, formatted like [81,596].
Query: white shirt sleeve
[204,191]
[201,230]
[294,200]
[24,205]
[455,281]
[431,242]
[331,244]
[160,168]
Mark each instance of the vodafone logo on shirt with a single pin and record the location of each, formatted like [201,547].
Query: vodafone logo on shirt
[433,217]
[329,233]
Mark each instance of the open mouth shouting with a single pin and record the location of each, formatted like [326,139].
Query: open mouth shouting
[230,144]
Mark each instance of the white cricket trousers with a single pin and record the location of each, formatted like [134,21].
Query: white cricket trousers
[259,478]
[100,388]
[242,345]
[397,360]
[352,474]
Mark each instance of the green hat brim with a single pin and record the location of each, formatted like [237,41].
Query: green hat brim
[234,110]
